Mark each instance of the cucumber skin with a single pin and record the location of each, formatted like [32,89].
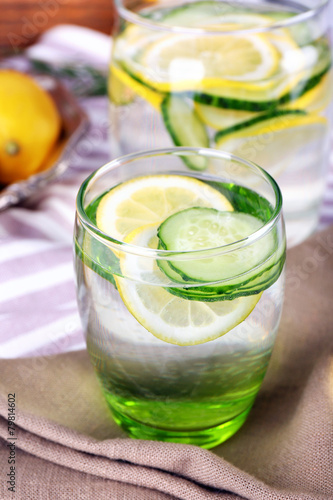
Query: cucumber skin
[258,119]
[174,136]
[259,106]
[230,292]
[253,285]
[240,104]
[226,293]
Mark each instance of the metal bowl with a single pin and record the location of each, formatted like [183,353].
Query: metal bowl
[75,124]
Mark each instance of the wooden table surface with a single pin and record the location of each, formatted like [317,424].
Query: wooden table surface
[21,21]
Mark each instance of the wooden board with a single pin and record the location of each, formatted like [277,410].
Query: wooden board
[22,21]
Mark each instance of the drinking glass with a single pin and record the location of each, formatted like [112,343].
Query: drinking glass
[251,78]
[180,279]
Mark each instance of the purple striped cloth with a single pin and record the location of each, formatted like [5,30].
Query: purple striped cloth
[38,311]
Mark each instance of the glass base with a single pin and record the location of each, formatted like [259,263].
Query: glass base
[206,438]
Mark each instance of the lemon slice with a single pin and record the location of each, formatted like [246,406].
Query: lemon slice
[123,89]
[170,318]
[276,143]
[119,92]
[151,199]
[292,62]
[290,70]
[182,62]
[179,321]
[292,57]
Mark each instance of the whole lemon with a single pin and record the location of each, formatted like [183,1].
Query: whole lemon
[29,126]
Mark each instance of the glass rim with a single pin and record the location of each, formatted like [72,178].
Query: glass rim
[176,255]
[138,19]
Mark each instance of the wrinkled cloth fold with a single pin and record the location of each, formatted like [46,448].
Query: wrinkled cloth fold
[69,447]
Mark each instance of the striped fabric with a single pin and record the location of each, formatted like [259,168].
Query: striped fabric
[38,312]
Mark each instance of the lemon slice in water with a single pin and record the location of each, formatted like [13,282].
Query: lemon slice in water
[182,62]
[170,318]
[151,199]
[123,89]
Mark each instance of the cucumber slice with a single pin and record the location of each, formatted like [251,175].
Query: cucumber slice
[277,140]
[197,14]
[192,14]
[185,128]
[315,100]
[237,288]
[319,50]
[201,228]
[303,33]
[189,14]
[242,199]
[261,118]
[278,16]
[217,13]
[239,98]
[262,98]
[219,118]
[266,275]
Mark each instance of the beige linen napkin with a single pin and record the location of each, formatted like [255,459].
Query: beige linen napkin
[68,447]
